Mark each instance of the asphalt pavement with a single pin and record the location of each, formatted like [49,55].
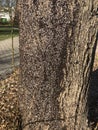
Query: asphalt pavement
[6,56]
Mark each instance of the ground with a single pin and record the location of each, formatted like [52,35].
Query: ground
[8,104]
[6,55]
[9,111]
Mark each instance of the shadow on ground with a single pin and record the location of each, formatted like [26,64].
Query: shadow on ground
[93,99]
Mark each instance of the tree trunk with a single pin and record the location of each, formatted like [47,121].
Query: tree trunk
[57,46]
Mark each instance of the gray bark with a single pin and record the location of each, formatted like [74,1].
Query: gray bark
[57,45]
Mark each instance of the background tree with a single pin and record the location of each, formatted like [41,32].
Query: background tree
[57,48]
[8,3]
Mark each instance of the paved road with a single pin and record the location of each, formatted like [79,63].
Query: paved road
[6,55]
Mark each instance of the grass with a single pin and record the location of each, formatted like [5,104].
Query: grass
[6,35]
[5,32]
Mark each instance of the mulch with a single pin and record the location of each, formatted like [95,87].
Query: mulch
[9,111]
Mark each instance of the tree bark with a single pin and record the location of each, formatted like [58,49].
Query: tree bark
[57,46]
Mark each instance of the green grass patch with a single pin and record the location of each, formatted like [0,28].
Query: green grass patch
[5,32]
[6,35]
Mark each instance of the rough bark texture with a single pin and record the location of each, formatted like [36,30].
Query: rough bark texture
[57,45]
